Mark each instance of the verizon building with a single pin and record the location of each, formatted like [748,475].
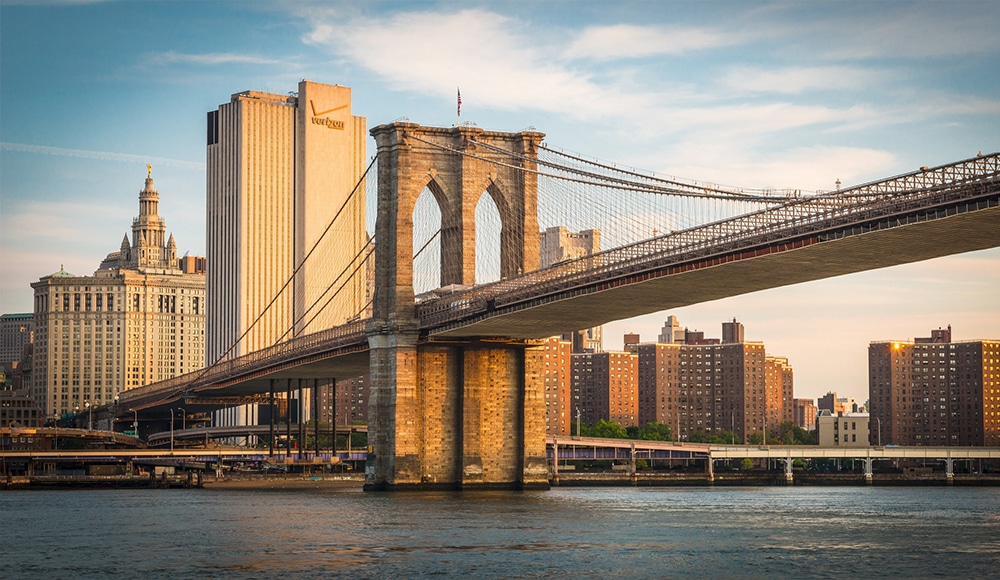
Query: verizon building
[279,168]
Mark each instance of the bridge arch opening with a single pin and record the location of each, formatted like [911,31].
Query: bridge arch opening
[489,234]
[426,218]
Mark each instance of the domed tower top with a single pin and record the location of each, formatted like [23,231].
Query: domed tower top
[149,244]
[149,198]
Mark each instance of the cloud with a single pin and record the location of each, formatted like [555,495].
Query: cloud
[630,41]
[211,59]
[800,79]
[484,52]
[100,155]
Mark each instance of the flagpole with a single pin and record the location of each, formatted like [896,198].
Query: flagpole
[458,108]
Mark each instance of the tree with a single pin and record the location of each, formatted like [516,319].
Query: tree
[697,437]
[608,430]
[754,439]
[724,438]
[656,431]
[786,433]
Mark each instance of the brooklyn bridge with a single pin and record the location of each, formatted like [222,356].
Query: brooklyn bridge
[454,354]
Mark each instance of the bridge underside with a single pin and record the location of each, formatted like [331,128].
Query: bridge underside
[208,398]
[777,264]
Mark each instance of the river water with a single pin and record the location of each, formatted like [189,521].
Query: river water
[760,532]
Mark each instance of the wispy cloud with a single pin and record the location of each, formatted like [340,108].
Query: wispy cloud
[100,155]
[800,79]
[630,41]
[417,52]
[211,59]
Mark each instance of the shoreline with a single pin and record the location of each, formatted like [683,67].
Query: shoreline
[355,482]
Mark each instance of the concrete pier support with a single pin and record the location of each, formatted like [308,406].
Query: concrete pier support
[868,469]
[949,464]
[458,416]
[789,479]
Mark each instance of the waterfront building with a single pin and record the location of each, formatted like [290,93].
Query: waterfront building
[842,429]
[138,320]
[560,406]
[279,168]
[352,401]
[933,391]
[605,384]
[705,386]
[16,332]
[805,413]
[778,385]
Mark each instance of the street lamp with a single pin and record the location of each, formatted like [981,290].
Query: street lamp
[171,431]
[90,415]
[578,422]
[183,417]
[135,424]
[114,415]
[879,420]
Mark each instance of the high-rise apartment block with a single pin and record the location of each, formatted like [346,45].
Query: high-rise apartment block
[702,385]
[605,385]
[560,406]
[933,391]
[139,319]
[778,381]
[280,167]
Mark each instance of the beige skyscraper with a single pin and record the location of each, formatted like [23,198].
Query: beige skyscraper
[138,320]
[280,167]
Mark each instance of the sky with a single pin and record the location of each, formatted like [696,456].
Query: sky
[749,94]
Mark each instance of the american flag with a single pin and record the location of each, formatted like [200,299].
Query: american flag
[459,102]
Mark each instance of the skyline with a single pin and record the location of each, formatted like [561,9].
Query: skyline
[761,95]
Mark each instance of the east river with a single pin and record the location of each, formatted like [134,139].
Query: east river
[760,532]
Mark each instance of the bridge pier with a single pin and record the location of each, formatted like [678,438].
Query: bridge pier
[456,416]
[868,469]
[949,465]
[789,479]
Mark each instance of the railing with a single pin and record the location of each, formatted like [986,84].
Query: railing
[802,216]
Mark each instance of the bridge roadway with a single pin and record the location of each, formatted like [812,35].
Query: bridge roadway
[201,433]
[560,448]
[576,448]
[929,213]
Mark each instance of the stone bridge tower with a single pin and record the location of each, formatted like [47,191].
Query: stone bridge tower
[466,413]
